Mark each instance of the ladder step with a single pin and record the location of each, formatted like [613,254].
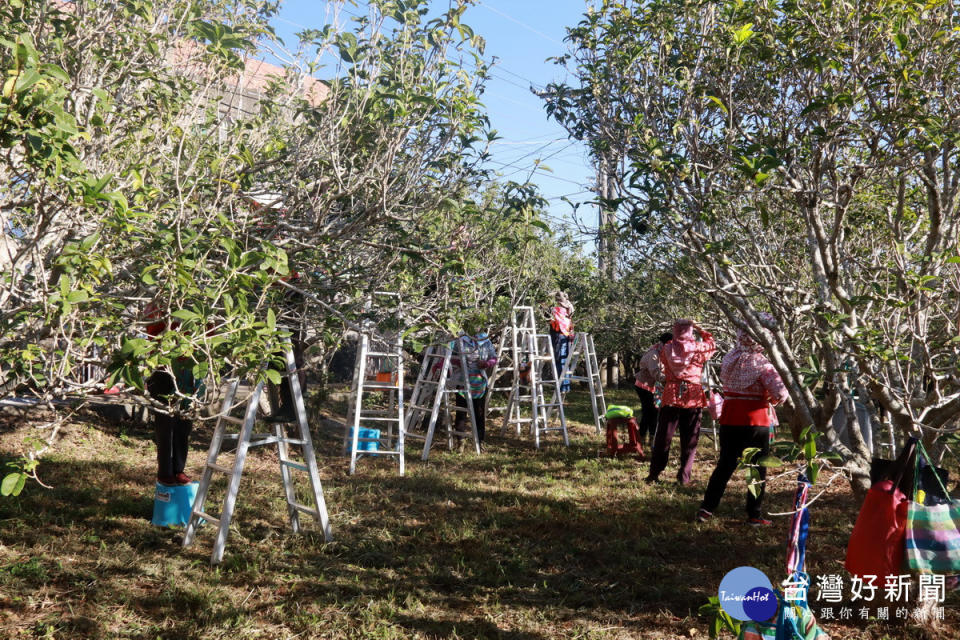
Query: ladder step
[207,517]
[219,467]
[294,465]
[257,439]
[379,385]
[306,509]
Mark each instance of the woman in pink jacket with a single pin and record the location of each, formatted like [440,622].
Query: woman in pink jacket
[683,399]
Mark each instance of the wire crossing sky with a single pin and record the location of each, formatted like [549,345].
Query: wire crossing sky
[520,36]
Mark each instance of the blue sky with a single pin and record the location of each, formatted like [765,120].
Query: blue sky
[521,35]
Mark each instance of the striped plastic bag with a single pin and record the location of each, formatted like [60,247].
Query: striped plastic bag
[933,536]
[933,539]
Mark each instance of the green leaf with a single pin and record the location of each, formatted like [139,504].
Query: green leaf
[901,41]
[13,483]
[771,462]
[719,103]
[753,484]
[744,33]
[185,314]
[77,296]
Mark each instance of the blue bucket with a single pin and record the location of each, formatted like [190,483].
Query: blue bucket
[172,505]
[371,445]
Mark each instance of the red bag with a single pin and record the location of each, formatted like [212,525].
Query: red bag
[877,544]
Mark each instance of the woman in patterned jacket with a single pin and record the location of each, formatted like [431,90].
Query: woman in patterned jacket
[751,387]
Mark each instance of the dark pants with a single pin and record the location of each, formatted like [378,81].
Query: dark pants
[281,396]
[561,349]
[648,415]
[733,440]
[463,417]
[172,433]
[669,421]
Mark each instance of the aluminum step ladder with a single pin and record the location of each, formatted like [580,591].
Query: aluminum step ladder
[391,417]
[583,349]
[431,396]
[246,438]
[506,364]
[535,350]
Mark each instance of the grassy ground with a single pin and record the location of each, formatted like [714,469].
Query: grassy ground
[516,543]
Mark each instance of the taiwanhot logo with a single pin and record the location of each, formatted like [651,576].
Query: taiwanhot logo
[747,594]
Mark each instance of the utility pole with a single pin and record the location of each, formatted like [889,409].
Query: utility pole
[607,243]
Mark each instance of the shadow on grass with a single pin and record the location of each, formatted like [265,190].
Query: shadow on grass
[516,543]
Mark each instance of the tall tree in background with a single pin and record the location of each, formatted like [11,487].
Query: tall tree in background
[803,157]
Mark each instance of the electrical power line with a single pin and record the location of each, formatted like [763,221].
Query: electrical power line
[521,23]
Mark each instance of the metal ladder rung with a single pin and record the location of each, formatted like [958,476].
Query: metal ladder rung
[219,467]
[206,516]
[379,385]
[294,465]
[305,509]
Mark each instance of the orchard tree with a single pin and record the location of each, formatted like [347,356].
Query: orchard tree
[803,156]
[148,162]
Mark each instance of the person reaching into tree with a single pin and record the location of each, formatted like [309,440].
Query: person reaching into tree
[171,429]
[561,333]
[480,356]
[683,399]
[751,387]
[648,377]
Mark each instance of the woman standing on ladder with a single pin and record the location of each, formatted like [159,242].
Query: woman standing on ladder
[480,355]
[561,332]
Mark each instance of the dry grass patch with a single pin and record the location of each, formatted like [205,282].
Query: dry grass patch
[516,543]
